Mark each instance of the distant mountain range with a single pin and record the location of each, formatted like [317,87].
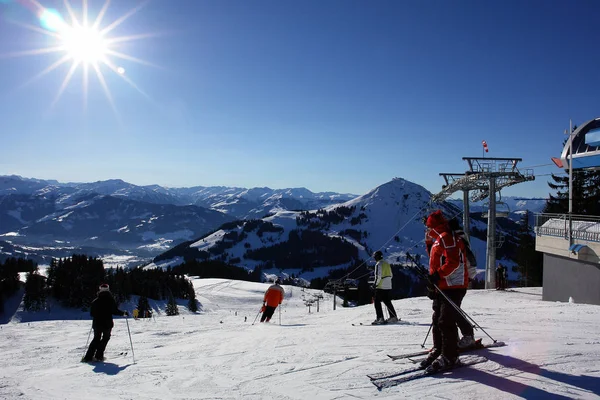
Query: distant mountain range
[40,217]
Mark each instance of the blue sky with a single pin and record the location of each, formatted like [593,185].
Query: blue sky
[329,95]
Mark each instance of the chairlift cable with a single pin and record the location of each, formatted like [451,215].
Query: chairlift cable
[428,205]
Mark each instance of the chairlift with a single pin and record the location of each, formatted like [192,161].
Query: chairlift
[351,284]
[502,209]
[500,239]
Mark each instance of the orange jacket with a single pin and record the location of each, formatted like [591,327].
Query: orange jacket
[274,295]
[447,255]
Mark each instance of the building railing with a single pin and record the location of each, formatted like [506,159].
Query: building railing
[584,227]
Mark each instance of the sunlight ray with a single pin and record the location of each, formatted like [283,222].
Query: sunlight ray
[37,4]
[123,18]
[64,83]
[131,58]
[112,66]
[84,12]
[85,85]
[101,15]
[74,20]
[36,29]
[48,69]
[129,38]
[33,52]
[107,91]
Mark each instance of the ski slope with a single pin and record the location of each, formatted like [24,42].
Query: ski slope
[553,351]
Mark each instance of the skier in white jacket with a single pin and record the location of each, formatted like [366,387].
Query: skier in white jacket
[383,290]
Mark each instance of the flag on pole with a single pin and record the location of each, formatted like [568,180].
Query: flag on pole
[485,147]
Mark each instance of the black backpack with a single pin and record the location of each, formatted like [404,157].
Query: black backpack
[470,255]
[454,225]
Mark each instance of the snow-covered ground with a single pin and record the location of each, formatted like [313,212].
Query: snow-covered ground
[553,351]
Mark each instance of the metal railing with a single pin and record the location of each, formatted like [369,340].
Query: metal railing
[585,227]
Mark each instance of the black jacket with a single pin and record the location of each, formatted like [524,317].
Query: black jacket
[102,310]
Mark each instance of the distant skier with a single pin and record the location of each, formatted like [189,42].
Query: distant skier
[273,298]
[383,290]
[102,309]
[449,272]
[501,276]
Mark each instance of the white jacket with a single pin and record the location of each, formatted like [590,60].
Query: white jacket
[383,275]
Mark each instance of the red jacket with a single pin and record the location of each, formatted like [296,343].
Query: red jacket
[447,255]
[274,295]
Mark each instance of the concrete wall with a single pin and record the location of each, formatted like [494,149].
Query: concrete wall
[559,246]
[566,277]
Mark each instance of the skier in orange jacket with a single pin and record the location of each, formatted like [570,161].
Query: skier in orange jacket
[273,297]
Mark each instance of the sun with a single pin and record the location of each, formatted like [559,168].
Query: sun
[83,44]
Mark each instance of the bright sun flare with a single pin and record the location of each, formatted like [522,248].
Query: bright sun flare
[83,44]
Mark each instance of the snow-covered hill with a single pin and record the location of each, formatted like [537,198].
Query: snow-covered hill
[552,351]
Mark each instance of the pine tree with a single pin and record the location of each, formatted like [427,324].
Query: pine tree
[172,307]
[585,195]
[529,261]
[558,203]
[35,292]
[192,302]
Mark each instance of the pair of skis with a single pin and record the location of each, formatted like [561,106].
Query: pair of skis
[477,346]
[399,322]
[382,381]
[94,360]
[388,379]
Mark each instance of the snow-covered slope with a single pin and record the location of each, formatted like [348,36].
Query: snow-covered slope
[552,352]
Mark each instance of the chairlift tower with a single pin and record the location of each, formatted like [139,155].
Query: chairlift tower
[485,177]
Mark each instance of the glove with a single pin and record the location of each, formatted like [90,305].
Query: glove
[431,292]
[125,313]
[434,278]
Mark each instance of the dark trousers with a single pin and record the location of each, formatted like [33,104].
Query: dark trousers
[464,326]
[500,280]
[98,344]
[383,295]
[267,314]
[444,320]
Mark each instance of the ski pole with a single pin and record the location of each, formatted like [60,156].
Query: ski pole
[426,336]
[466,316]
[130,342]
[255,318]
[463,313]
[88,339]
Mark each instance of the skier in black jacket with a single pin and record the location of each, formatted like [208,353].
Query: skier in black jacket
[102,309]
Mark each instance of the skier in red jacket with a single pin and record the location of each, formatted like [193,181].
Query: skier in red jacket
[449,271]
[273,297]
